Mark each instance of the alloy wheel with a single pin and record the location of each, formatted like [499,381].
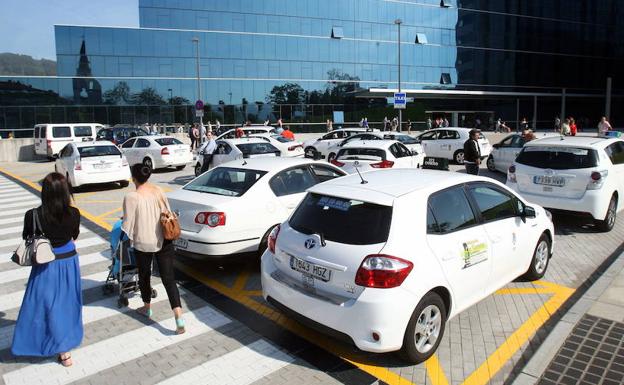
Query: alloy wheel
[541,257]
[427,329]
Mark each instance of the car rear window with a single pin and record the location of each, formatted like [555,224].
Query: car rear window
[281,139]
[342,220]
[257,148]
[167,141]
[404,139]
[82,131]
[61,132]
[90,151]
[558,157]
[361,154]
[227,181]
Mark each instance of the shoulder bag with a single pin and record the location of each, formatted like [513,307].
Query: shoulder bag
[35,249]
[168,221]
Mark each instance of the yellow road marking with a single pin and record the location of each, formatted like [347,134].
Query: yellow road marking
[524,290]
[435,371]
[241,280]
[107,214]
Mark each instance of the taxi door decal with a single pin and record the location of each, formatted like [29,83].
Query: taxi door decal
[474,252]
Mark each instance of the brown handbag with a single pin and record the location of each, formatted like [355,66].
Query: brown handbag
[169,221]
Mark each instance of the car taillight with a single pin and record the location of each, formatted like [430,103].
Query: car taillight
[383,164]
[164,151]
[597,180]
[336,163]
[382,271]
[211,219]
[273,238]
[49,143]
[511,174]
[293,148]
[77,165]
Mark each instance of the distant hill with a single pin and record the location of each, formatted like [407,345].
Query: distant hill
[14,64]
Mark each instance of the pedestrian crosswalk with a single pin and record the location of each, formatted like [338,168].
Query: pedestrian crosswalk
[117,338]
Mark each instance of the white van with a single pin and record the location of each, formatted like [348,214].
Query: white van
[51,138]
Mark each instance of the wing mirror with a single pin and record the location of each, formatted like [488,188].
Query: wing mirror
[496,145]
[414,152]
[527,212]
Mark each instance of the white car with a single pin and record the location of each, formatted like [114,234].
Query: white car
[157,151]
[321,145]
[91,163]
[249,130]
[385,264]
[449,143]
[573,173]
[411,143]
[232,208]
[375,154]
[505,152]
[288,148]
[232,149]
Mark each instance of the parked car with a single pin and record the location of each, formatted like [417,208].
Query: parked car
[232,149]
[51,138]
[288,148]
[449,143]
[320,147]
[578,174]
[386,263]
[119,134]
[368,155]
[505,152]
[249,130]
[411,143]
[232,208]
[156,151]
[85,163]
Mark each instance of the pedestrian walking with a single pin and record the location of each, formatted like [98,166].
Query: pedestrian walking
[409,126]
[499,125]
[524,125]
[288,134]
[361,124]
[50,318]
[191,134]
[429,124]
[202,134]
[207,150]
[565,127]
[445,122]
[573,128]
[365,122]
[557,124]
[239,133]
[386,124]
[218,124]
[604,126]
[330,125]
[141,223]
[472,153]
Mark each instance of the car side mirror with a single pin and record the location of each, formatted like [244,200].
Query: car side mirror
[497,145]
[527,212]
[414,153]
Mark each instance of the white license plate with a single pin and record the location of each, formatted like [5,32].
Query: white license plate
[181,243]
[557,181]
[102,166]
[316,271]
[180,151]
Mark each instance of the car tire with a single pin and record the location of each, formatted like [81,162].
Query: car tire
[331,157]
[180,168]
[428,320]
[198,168]
[458,156]
[539,262]
[309,152]
[608,222]
[147,162]
[490,163]
[124,183]
[264,243]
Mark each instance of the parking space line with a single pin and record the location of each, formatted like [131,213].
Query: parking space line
[241,280]
[435,372]
[523,290]
[108,213]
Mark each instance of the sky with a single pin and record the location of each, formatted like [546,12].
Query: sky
[27,26]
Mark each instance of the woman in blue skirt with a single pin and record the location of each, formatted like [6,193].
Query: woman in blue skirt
[50,319]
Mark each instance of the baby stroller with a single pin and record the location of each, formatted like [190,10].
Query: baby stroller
[123,267]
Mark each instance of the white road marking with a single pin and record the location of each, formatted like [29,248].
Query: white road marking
[17,198]
[80,243]
[15,219]
[20,212]
[11,189]
[31,202]
[18,229]
[115,351]
[242,366]
[14,195]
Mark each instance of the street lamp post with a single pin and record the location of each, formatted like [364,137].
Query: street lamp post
[398,22]
[170,95]
[196,41]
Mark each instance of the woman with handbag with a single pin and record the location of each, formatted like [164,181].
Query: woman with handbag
[50,318]
[142,222]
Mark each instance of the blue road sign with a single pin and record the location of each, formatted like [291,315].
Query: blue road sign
[400,100]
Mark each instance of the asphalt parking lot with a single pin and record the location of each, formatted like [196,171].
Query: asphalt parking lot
[488,343]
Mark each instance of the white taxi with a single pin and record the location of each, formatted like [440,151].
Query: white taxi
[228,150]
[579,174]
[232,208]
[248,130]
[288,148]
[449,143]
[321,145]
[375,154]
[85,163]
[385,259]
[157,152]
[411,143]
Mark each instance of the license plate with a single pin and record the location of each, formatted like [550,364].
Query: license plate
[556,181]
[181,243]
[315,271]
[101,166]
[181,151]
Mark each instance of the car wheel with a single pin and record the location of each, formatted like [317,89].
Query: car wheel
[425,329]
[458,157]
[309,152]
[265,240]
[180,168]
[331,157]
[147,162]
[490,163]
[124,183]
[198,168]
[608,223]
[539,262]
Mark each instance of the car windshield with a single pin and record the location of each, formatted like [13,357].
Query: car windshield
[558,158]
[90,151]
[406,139]
[361,154]
[227,181]
[257,148]
[167,141]
[343,220]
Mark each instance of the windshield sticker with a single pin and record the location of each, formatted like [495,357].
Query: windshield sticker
[473,252]
[571,150]
[333,203]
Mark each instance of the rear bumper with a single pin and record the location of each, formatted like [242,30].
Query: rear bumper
[174,162]
[83,178]
[214,246]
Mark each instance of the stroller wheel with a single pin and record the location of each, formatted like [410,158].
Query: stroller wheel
[154,293]
[122,302]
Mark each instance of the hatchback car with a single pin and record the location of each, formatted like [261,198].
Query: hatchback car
[384,264]
[411,143]
[248,130]
[582,175]
[232,208]
[288,148]
[157,151]
[449,143]
[92,163]
[320,147]
[119,135]
[231,149]
[376,154]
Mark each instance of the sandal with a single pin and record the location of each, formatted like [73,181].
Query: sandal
[180,326]
[66,362]
[146,312]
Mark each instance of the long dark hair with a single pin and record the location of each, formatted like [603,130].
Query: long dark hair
[55,197]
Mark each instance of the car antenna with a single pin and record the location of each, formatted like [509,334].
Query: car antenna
[363,180]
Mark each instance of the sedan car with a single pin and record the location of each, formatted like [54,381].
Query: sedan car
[505,152]
[157,152]
[320,147]
[232,149]
[92,163]
[232,208]
[411,143]
[386,263]
[288,148]
[449,143]
[248,130]
[375,154]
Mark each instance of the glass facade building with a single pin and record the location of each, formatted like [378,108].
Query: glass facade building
[301,60]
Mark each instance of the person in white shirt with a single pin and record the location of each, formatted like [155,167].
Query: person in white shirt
[604,126]
[202,133]
[206,150]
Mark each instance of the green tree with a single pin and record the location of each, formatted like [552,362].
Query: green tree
[120,94]
[148,97]
[289,93]
[179,101]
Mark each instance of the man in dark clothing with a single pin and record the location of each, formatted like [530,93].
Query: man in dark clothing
[472,153]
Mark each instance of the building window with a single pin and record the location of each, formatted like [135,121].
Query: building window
[337,32]
[421,38]
[445,78]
